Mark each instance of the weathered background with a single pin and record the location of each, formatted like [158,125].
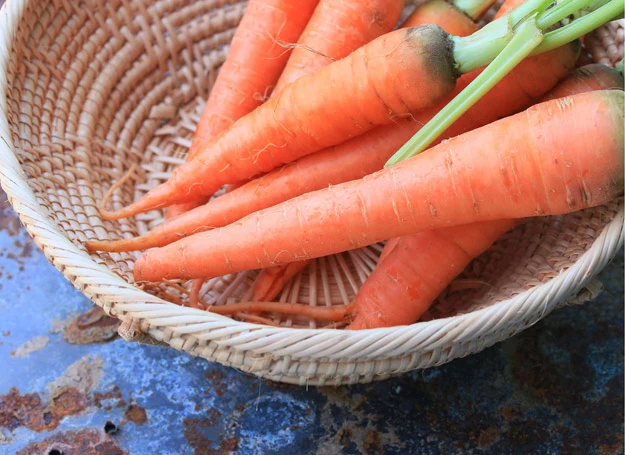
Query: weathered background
[69,385]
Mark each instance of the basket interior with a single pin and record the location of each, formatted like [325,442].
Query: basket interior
[96,87]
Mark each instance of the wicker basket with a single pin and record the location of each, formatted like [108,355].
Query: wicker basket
[87,88]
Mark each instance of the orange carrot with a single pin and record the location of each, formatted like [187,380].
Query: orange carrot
[337,28]
[270,281]
[258,53]
[443,14]
[507,7]
[485,174]
[389,78]
[331,313]
[586,79]
[357,157]
[417,270]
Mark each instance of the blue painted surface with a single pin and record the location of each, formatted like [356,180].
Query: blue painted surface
[557,388]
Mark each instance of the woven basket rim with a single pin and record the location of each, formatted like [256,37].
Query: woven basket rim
[101,285]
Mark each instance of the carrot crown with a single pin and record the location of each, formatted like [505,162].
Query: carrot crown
[502,45]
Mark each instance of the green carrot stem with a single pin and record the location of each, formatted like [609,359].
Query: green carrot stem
[581,26]
[561,10]
[479,49]
[592,6]
[527,37]
[473,8]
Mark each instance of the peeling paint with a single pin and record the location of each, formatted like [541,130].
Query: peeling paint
[83,375]
[136,414]
[94,326]
[34,345]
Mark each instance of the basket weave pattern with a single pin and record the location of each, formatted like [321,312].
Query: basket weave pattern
[89,88]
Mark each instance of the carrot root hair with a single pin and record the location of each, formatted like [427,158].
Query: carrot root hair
[110,214]
[194,294]
[322,313]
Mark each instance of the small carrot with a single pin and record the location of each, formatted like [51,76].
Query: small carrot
[271,281]
[332,313]
[392,77]
[337,28]
[572,146]
[257,56]
[444,14]
[357,157]
[417,270]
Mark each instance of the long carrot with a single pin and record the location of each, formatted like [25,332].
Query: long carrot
[391,77]
[271,280]
[557,157]
[359,156]
[337,28]
[258,54]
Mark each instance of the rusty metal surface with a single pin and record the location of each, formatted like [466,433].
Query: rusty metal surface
[69,385]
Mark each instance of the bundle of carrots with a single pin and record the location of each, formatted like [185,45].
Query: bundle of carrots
[305,138]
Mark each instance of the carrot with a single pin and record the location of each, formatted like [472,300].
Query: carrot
[507,7]
[270,281]
[337,28]
[594,76]
[358,157]
[572,146]
[258,54]
[332,313]
[444,14]
[417,270]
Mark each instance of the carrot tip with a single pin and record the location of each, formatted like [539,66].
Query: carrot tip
[113,215]
[122,245]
